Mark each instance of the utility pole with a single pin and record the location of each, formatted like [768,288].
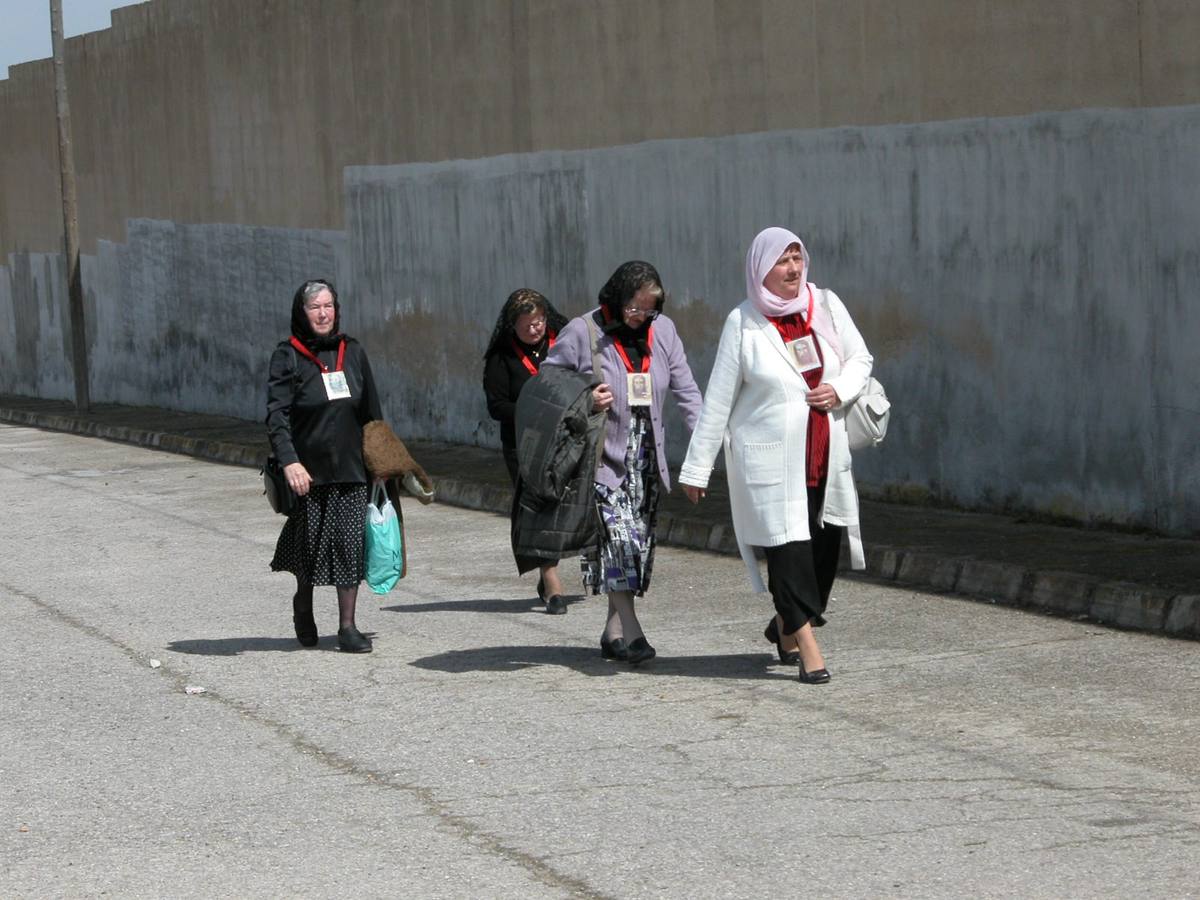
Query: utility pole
[66,160]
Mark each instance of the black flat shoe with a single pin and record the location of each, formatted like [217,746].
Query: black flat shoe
[771,633]
[351,640]
[556,606]
[816,676]
[306,626]
[614,649]
[541,589]
[639,651]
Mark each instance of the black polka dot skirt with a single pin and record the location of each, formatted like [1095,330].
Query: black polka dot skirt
[322,540]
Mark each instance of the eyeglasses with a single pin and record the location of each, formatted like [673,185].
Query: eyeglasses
[536,323]
[649,314]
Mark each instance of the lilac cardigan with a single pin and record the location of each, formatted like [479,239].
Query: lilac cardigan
[669,370]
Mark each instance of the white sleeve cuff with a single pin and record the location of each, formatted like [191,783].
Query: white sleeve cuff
[694,476]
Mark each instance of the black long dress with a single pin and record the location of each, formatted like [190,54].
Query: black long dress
[322,541]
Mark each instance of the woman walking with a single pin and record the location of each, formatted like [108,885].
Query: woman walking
[320,393]
[789,363]
[525,331]
[631,339]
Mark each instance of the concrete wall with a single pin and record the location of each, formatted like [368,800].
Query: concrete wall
[180,316]
[246,112]
[1028,287]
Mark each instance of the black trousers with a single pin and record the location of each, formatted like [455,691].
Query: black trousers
[800,574]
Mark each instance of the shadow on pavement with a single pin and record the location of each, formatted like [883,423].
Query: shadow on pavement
[587,661]
[485,605]
[236,646]
[481,604]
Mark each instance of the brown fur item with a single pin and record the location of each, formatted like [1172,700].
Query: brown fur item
[386,457]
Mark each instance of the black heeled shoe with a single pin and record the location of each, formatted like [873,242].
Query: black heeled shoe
[556,605]
[302,619]
[771,633]
[614,649]
[640,651]
[816,676]
[351,640]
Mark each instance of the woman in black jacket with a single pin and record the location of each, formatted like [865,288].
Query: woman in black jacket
[524,334]
[320,393]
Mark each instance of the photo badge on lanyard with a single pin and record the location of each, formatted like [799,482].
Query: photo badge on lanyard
[336,386]
[639,388]
[804,350]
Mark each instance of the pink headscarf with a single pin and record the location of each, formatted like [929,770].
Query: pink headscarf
[764,252]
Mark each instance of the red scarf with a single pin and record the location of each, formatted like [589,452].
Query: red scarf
[793,328]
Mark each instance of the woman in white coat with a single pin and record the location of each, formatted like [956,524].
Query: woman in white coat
[789,364]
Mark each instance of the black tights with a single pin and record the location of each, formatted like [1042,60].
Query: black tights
[800,574]
[347,600]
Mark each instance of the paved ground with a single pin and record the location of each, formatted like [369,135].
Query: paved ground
[484,748]
[1137,581]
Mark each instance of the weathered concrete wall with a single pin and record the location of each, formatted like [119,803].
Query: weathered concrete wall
[181,316]
[247,112]
[1028,286]
[1006,272]
[36,339]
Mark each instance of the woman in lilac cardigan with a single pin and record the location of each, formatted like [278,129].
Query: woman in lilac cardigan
[641,361]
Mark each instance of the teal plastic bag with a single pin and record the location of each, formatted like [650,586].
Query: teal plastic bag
[383,543]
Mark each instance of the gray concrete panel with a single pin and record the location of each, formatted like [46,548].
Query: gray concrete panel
[1019,281]
[35,304]
[436,250]
[182,316]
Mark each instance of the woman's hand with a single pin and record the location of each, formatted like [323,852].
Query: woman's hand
[602,398]
[298,478]
[695,494]
[823,397]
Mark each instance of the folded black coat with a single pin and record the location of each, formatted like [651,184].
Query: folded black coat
[554,509]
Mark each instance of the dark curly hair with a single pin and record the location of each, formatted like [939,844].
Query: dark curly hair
[629,278]
[520,302]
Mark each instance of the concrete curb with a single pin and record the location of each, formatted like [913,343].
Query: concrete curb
[217,451]
[1116,603]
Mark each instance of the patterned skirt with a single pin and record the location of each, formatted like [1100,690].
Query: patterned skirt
[623,558]
[322,540]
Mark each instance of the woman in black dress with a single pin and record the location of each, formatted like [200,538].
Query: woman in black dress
[320,393]
[524,333]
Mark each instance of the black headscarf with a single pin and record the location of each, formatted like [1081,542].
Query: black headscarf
[620,288]
[300,327]
[519,302]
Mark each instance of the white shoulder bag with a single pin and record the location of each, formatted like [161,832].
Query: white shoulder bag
[867,417]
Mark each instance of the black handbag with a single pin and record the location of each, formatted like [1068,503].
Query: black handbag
[275,486]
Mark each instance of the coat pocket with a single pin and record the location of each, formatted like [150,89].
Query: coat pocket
[762,463]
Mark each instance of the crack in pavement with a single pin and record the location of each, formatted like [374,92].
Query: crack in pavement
[458,824]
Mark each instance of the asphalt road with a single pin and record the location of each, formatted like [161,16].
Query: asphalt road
[485,750]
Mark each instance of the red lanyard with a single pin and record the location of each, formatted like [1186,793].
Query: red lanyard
[621,350]
[529,363]
[304,351]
